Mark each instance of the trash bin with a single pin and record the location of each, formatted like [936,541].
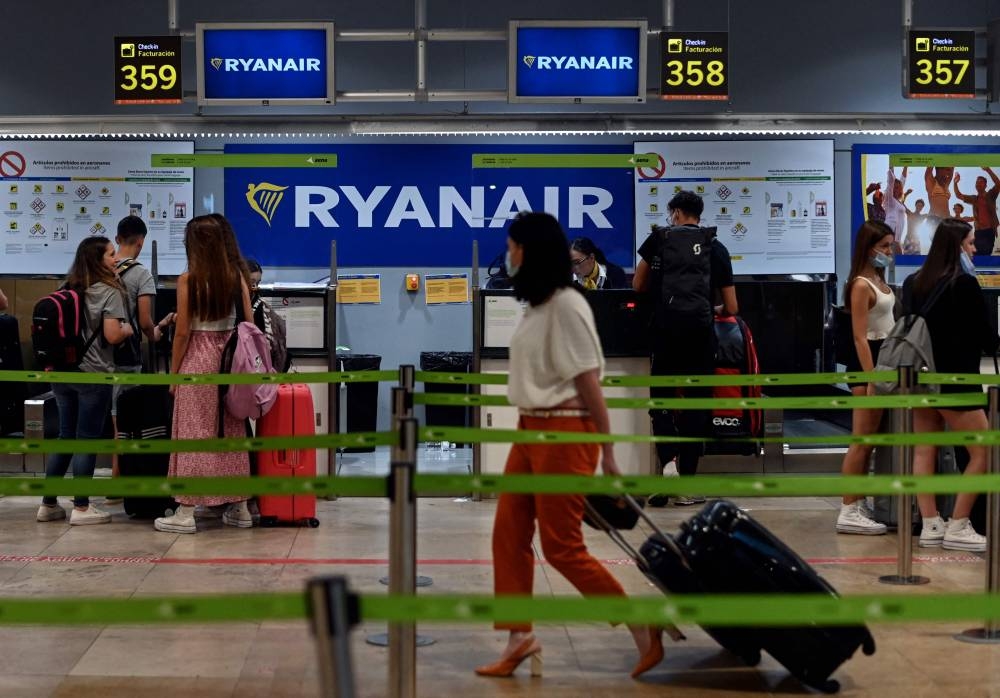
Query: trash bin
[362,398]
[447,362]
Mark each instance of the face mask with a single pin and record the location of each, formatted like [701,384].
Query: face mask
[881,261]
[512,268]
[967,266]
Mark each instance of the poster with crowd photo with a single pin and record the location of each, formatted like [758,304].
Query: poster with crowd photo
[912,188]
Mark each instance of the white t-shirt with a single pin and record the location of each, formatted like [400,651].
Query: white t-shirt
[553,344]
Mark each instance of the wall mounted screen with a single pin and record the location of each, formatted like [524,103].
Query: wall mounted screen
[265,64]
[772,201]
[577,61]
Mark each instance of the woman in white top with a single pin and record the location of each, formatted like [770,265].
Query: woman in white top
[871,303]
[555,372]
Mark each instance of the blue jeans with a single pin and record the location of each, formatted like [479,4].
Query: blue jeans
[83,412]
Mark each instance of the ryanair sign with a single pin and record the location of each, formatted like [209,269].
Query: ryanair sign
[396,205]
[265,64]
[546,64]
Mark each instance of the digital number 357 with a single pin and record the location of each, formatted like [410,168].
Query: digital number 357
[940,71]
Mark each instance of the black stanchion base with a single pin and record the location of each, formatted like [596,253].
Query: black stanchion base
[899,580]
[420,582]
[979,636]
[382,640]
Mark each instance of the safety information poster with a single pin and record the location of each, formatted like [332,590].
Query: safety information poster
[53,194]
[772,201]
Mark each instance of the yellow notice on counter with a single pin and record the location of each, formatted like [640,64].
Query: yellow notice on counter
[446,288]
[357,289]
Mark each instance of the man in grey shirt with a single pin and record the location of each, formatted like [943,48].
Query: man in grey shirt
[140,289]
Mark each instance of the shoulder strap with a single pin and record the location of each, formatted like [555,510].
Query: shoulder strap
[125,266]
[938,290]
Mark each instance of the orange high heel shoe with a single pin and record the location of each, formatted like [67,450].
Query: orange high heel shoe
[653,656]
[529,647]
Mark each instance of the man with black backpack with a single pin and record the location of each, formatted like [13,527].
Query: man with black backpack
[685,269]
[140,289]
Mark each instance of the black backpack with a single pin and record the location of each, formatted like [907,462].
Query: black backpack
[129,352]
[682,277]
[58,331]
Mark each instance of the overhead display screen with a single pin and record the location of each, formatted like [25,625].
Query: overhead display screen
[53,194]
[265,64]
[771,201]
[577,61]
[940,64]
[694,65]
[148,70]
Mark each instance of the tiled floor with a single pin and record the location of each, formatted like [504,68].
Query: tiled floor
[278,659]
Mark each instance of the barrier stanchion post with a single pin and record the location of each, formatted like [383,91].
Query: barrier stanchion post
[477,365]
[402,410]
[990,632]
[904,517]
[407,381]
[403,559]
[332,364]
[333,612]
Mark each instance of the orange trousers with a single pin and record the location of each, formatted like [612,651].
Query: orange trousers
[559,518]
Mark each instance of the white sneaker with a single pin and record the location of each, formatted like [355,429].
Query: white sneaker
[182,521]
[932,533]
[50,512]
[960,535]
[91,515]
[852,520]
[238,515]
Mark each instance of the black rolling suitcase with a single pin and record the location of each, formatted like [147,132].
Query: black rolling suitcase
[12,395]
[721,550]
[145,412]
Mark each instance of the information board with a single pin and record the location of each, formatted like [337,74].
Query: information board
[577,61]
[694,65]
[148,70]
[940,64]
[54,194]
[772,201]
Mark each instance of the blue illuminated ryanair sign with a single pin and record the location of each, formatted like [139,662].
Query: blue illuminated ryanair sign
[577,61]
[287,63]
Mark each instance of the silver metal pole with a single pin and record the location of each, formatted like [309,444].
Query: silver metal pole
[477,362]
[403,559]
[668,14]
[151,348]
[420,31]
[904,517]
[172,16]
[333,389]
[990,632]
[333,612]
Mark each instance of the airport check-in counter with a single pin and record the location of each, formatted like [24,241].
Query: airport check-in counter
[622,320]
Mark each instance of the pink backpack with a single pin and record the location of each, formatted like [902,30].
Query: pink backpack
[247,351]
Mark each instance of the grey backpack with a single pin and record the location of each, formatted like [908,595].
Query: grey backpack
[909,344]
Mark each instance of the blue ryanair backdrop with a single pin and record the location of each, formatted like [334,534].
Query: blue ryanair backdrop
[418,205]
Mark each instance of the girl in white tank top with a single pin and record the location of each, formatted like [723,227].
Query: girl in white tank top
[871,303]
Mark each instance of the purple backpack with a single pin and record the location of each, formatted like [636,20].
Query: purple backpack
[247,351]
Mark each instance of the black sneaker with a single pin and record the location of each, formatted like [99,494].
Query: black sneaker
[658,500]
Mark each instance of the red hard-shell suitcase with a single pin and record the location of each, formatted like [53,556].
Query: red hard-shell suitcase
[291,415]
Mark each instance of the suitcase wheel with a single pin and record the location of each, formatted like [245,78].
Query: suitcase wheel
[314,523]
[829,686]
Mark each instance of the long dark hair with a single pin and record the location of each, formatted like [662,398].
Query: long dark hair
[943,261]
[88,266]
[213,278]
[545,266]
[587,247]
[869,234]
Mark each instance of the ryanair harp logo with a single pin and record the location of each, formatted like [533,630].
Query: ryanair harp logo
[216,63]
[529,60]
[264,199]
